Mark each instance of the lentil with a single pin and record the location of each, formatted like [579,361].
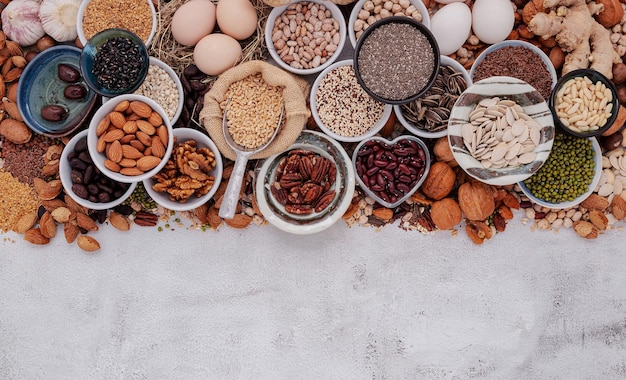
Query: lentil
[518,62]
[16,199]
[254,110]
[343,106]
[160,87]
[396,61]
[567,172]
[132,15]
[306,35]
[117,63]
[374,10]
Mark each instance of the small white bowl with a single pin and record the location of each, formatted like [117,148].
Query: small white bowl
[65,171]
[516,43]
[358,6]
[344,185]
[203,141]
[92,138]
[594,182]
[445,61]
[388,108]
[179,87]
[269,26]
[81,12]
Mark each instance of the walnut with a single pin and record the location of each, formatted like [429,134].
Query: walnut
[446,213]
[439,182]
[476,200]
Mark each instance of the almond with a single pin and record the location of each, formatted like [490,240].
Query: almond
[50,170]
[147,163]
[144,138]
[25,222]
[12,109]
[595,202]
[61,214]
[239,221]
[34,236]
[52,204]
[383,213]
[146,127]
[127,163]
[350,211]
[87,243]
[47,226]
[114,153]
[84,221]
[101,145]
[14,48]
[618,207]
[213,218]
[163,134]
[103,125]
[201,212]
[131,171]
[158,149]
[141,108]
[73,206]
[585,229]
[130,127]
[117,119]
[12,92]
[155,119]
[130,151]
[119,221]
[122,106]
[137,145]
[15,131]
[71,231]
[13,74]
[47,190]
[112,166]
[18,61]
[598,219]
[113,135]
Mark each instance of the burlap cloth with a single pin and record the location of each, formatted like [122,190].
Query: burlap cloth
[295,90]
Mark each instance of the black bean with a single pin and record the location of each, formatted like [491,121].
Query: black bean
[68,73]
[75,91]
[54,113]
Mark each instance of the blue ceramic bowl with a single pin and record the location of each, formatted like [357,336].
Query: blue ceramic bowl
[40,85]
[88,59]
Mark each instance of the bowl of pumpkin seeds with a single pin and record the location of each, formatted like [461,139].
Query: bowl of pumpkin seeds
[501,130]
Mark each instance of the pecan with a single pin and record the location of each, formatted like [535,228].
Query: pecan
[299,209]
[280,194]
[310,192]
[306,166]
[320,169]
[499,222]
[146,219]
[324,200]
[289,180]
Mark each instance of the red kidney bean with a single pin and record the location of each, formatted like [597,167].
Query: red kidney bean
[390,171]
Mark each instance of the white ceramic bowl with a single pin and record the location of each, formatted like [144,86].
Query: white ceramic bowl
[65,173]
[358,6]
[269,25]
[81,12]
[344,185]
[445,61]
[388,108]
[533,105]
[203,141]
[92,138]
[516,43]
[179,87]
[594,182]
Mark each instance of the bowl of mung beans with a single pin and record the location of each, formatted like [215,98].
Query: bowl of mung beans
[321,34]
[569,175]
[342,109]
[428,115]
[366,12]
[584,103]
[396,60]
[137,16]
[114,62]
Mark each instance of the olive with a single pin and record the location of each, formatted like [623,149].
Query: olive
[68,73]
[75,91]
[54,113]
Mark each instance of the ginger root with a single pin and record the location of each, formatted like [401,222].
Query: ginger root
[587,43]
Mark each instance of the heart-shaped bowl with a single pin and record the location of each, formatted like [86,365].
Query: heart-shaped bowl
[391,171]
[270,183]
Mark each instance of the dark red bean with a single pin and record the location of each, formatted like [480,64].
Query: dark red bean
[373,170]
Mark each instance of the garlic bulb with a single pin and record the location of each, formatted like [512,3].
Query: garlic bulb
[59,18]
[21,23]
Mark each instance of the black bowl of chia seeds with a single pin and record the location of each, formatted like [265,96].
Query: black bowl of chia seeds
[396,60]
[114,62]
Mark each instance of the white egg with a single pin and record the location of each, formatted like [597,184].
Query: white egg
[451,26]
[492,20]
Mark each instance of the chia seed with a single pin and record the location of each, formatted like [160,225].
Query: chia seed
[396,61]
[517,62]
[117,63]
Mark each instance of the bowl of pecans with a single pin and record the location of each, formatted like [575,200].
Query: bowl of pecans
[501,130]
[307,188]
[130,138]
[342,109]
[428,115]
[191,175]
